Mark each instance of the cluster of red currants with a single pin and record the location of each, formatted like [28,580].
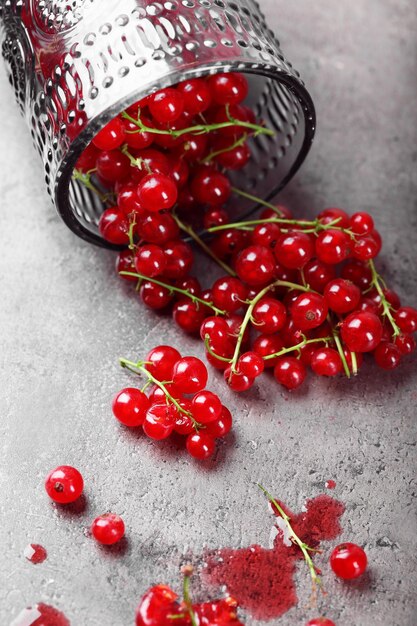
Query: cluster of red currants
[65,485]
[177,401]
[160,607]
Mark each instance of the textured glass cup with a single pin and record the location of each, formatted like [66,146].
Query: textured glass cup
[75,64]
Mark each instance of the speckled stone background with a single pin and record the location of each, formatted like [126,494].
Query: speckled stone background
[65,318]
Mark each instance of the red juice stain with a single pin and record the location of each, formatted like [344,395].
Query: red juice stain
[40,615]
[261,579]
[35,553]
[330,484]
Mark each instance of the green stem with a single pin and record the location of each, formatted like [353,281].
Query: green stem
[239,142]
[187,600]
[85,179]
[174,289]
[341,352]
[300,345]
[198,129]
[305,549]
[311,225]
[210,351]
[191,232]
[135,161]
[386,306]
[249,196]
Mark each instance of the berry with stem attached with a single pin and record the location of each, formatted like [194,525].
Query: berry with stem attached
[130,406]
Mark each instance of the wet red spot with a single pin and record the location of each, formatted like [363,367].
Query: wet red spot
[35,553]
[262,580]
[40,615]
[330,484]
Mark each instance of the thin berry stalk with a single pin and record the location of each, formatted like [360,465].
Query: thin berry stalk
[85,179]
[187,600]
[298,346]
[239,142]
[249,196]
[311,226]
[386,306]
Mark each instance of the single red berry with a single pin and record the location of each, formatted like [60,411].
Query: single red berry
[233,159]
[156,606]
[112,166]
[217,330]
[179,259]
[266,345]
[238,112]
[108,529]
[237,381]
[111,136]
[151,161]
[348,561]
[330,215]
[166,105]
[87,159]
[361,331]
[342,296]
[114,226]
[189,315]
[221,426]
[309,310]
[215,217]
[406,319]
[332,246]
[361,223]
[125,263]
[184,425]
[228,242]
[209,186]
[358,273]
[206,407]
[150,260]
[158,395]
[326,362]
[200,445]
[220,356]
[64,484]
[250,364]
[189,375]
[160,362]
[293,250]
[317,274]
[229,294]
[269,315]
[159,421]
[157,192]
[193,149]
[405,343]
[266,235]
[155,296]
[135,139]
[130,406]
[128,201]
[228,88]
[196,95]
[289,372]
[366,247]
[255,265]
[387,355]
[320,621]
[157,228]
[189,284]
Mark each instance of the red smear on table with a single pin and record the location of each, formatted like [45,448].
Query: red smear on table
[261,579]
[40,615]
[35,553]
[330,484]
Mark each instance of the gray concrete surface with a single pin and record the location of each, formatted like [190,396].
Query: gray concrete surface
[65,318]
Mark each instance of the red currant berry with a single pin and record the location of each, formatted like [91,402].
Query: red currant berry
[320,621]
[265,345]
[361,331]
[358,273]
[216,328]
[151,161]
[405,343]
[125,263]
[342,296]
[332,246]
[250,364]
[158,396]
[228,88]
[228,242]
[348,561]
[206,407]
[189,284]
[218,354]
[189,315]
[128,201]
[150,260]
[361,223]
[318,274]
[229,294]
[160,362]
[387,355]
[330,215]
[88,158]
[200,446]
[184,425]
[158,603]
[215,217]
[112,166]
[406,319]
[255,265]
[366,247]
[210,187]
[237,112]
[237,381]
[326,362]
[178,259]
[221,426]
[189,375]
[269,315]
[114,226]
[157,228]
[154,296]
[294,250]
[166,105]
[193,149]
[309,310]
[130,406]
[108,529]
[64,484]
[266,235]
[157,192]
[289,372]
[111,136]
[230,158]
[135,139]
[196,95]
[159,421]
